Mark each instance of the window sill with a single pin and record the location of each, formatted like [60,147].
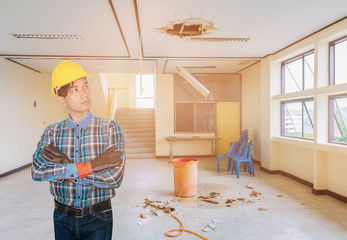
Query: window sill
[326,147]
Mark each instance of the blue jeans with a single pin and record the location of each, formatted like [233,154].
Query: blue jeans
[97,227]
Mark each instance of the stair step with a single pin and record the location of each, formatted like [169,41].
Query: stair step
[130,145]
[139,135]
[138,140]
[135,120]
[140,130]
[137,126]
[139,150]
[122,116]
[140,156]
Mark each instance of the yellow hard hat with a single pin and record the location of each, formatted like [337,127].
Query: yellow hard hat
[65,73]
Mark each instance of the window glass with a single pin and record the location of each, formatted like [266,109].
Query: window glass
[205,117]
[340,62]
[298,73]
[293,76]
[338,119]
[297,119]
[308,119]
[308,71]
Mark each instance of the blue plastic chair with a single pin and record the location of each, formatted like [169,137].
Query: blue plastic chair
[246,158]
[241,152]
[243,137]
[232,152]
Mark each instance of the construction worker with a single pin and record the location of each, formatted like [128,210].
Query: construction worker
[83,159]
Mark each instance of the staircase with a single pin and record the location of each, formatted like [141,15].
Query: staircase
[138,126]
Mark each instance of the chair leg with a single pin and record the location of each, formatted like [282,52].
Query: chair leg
[218,163]
[229,164]
[245,166]
[232,166]
[251,167]
[238,169]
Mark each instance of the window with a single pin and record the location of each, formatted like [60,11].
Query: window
[298,73]
[338,61]
[144,91]
[297,118]
[195,117]
[338,119]
[195,113]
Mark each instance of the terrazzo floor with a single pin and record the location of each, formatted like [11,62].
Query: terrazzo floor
[264,207]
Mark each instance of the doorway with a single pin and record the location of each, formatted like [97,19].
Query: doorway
[145,91]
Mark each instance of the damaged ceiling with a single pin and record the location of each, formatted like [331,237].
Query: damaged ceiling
[228,36]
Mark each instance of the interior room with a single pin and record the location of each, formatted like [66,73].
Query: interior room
[187,81]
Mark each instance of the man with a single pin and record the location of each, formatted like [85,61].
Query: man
[83,159]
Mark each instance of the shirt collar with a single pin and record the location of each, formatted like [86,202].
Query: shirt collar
[83,122]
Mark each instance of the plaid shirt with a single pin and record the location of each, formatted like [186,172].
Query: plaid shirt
[81,142]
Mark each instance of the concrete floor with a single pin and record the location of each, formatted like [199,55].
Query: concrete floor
[290,210]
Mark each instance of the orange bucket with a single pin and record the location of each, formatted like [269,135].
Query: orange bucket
[185,176]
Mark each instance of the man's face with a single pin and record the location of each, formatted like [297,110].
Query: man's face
[78,99]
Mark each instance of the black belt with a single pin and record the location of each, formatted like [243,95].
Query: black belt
[81,212]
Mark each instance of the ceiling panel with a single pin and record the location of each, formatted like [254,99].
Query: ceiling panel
[93,20]
[111,31]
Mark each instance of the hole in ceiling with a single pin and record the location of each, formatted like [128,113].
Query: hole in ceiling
[190,27]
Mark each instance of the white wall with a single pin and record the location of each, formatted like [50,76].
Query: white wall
[21,124]
[251,107]
[316,161]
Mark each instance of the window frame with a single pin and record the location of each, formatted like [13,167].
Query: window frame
[331,118]
[332,58]
[290,60]
[302,118]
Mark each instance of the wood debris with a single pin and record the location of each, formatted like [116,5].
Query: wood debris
[254,194]
[207,198]
[279,195]
[214,194]
[142,216]
[249,187]
[230,201]
[210,201]
[162,206]
[262,209]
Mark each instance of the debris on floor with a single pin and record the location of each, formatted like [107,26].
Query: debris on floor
[209,227]
[208,198]
[254,194]
[262,209]
[153,209]
[159,205]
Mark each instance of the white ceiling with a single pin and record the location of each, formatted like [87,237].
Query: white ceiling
[111,32]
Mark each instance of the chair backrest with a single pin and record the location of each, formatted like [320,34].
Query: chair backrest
[244,135]
[250,150]
[232,145]
[243,148]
